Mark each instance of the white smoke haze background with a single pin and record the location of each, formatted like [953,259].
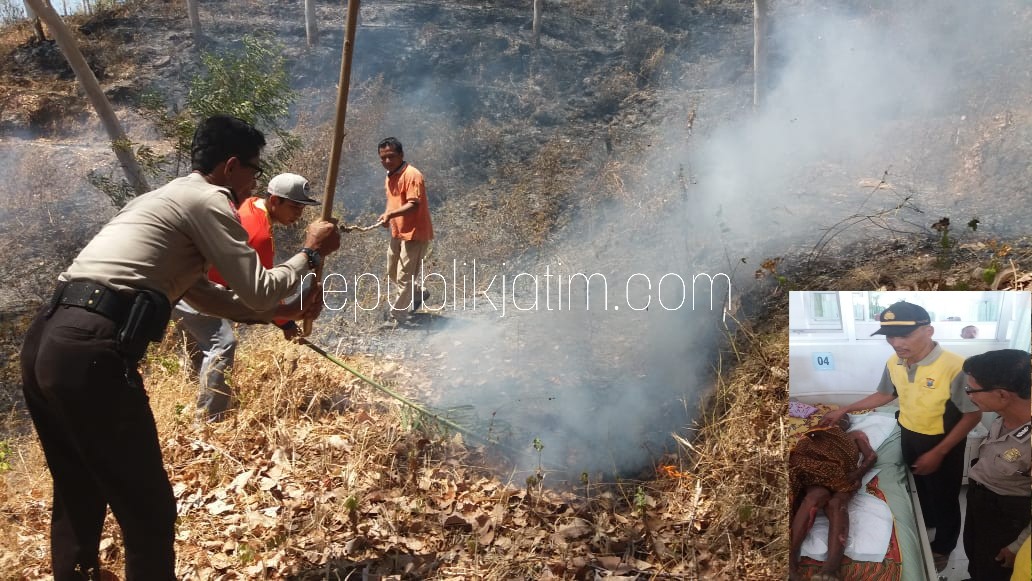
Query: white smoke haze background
[47,214]
[904,88]
[905,91]
[921,90]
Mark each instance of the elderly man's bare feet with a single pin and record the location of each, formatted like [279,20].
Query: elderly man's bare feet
[823,576]
[794,576]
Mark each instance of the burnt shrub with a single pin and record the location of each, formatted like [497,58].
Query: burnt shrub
[668,14]
[641,46]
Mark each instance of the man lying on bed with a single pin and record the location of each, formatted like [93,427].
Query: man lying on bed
[825,469]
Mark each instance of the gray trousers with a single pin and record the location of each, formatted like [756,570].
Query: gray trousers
[212,345]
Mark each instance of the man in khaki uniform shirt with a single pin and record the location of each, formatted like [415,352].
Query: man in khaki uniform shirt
[999,498]
[80,356]
[934,417]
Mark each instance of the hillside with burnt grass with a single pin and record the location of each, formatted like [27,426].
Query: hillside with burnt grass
[596,385]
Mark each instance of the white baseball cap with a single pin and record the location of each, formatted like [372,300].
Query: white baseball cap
[292,187]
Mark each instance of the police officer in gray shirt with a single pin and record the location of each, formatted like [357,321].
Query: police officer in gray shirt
[999,498]
[80,356]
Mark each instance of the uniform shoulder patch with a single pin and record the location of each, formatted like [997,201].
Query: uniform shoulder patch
[1023,431]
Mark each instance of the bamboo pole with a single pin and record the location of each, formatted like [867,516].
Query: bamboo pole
[760,13]
[120,143]
[338,129]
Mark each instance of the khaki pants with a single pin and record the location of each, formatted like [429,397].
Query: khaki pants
[404,258]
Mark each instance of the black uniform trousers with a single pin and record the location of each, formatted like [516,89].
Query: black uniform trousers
[993,521]
[938,492]
[97,431]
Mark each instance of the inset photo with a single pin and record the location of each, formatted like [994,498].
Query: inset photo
[909,434]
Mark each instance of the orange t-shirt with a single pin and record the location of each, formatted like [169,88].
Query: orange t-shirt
[254,217]
[405,186]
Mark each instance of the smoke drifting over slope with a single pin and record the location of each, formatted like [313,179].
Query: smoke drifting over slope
[934,93]
[852,95]
[909,89]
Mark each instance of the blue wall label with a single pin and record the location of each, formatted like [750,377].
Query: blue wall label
[823,362]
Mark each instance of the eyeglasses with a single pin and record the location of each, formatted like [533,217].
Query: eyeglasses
[259,173]
[969,390]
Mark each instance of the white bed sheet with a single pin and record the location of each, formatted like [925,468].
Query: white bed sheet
[870,520]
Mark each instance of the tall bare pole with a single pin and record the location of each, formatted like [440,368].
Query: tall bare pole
[536,23]
[338,128]
[760,9]
[311,23]
[120,144]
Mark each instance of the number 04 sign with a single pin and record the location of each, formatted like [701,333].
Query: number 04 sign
[823,362]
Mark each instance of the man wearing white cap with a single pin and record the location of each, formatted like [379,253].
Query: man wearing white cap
[210,340]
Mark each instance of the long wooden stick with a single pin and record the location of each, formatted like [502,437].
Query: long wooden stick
[120,144]
[338,128]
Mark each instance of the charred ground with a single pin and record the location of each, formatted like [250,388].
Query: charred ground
[566,153]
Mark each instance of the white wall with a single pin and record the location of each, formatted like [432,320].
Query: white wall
[858,365]
[856,360]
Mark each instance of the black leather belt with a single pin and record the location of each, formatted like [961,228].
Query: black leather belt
[96,298]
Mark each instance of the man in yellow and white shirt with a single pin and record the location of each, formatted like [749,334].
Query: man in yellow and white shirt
[935,417]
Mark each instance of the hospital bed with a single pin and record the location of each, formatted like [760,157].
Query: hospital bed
[909,556]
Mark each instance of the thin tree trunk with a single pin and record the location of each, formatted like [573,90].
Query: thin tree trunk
[195,21]
[119,142]
[537,22]
[37,24]
[759,50]
[311,26]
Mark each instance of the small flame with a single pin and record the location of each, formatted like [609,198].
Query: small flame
[671,471]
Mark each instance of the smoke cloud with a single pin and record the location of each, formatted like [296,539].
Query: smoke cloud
[907,94]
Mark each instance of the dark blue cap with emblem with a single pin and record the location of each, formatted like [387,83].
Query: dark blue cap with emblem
[901,319]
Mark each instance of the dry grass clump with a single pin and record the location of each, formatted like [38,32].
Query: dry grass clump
[739,504]
[25,494]
[982,263]
[37,87]
[642,44]
[522,210]
[315,474]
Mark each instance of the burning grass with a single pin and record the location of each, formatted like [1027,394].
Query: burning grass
[317,475]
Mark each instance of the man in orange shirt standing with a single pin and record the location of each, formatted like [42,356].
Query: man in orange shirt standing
[408,216]
[210,340]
